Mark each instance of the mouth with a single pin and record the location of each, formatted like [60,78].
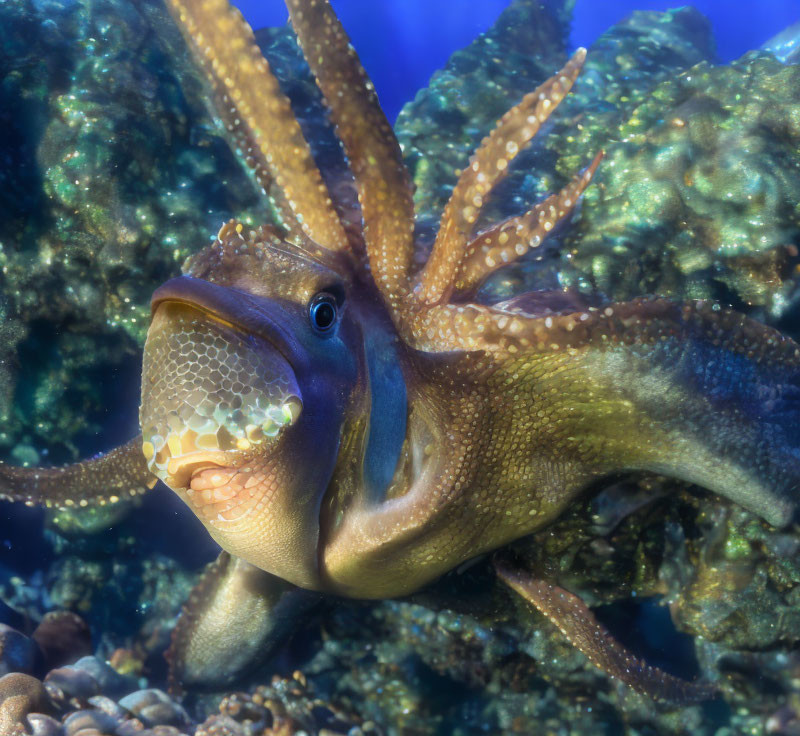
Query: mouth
[213,394]
[218,493]
[182,470]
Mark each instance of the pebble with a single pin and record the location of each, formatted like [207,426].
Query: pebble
[63,637]
[109,706]
[155,708]
[20,694]
[18,653]
[82,720]
[134,727]
[68,686]
[111,682]
[42,725]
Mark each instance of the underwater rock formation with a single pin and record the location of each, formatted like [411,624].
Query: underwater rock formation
[694,201]
[112,174]
[785,45]
[90,699]
[107,109]
[695,198]
[484,79]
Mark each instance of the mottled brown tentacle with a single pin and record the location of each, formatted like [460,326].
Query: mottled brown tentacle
[511,239]
[258,116]
[507,330]
[577,622]
[384,186]
[236,617]
[106,479]
[487,167]
[688,390]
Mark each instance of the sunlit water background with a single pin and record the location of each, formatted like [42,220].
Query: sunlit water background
[424,33]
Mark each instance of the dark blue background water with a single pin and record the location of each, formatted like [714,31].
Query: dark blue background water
[402,42]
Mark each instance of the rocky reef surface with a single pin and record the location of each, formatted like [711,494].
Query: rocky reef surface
[112,171]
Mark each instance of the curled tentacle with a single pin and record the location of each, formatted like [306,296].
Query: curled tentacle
[258,116]
[106,479]
[487,167]
[384,186]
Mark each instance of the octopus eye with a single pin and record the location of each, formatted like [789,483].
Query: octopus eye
[322,312]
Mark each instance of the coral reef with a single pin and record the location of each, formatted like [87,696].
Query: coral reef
[696,197]
[694,202]
[680,210]
[91,699]
[464,652]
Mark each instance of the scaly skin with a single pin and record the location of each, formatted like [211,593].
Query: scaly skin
[367,455]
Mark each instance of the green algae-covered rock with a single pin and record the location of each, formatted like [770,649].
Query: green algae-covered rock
[116,173]
[621,70]
[698,194]
[447,120]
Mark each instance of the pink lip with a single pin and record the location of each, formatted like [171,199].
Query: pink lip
[181,470]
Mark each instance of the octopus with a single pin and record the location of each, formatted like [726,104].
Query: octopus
[346,417]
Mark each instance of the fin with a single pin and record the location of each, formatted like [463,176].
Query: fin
[384,186]
[236,617]
[106,479]
[576,621]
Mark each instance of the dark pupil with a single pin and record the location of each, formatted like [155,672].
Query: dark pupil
[323,313]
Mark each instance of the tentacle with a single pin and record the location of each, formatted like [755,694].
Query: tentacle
[384,186]
[506,329]
[507,241]
[487,167]
[259,117]
[105,479]
[576,621]
[235,619]
[687,390]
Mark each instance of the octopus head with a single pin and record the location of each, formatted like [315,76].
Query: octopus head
[244,387]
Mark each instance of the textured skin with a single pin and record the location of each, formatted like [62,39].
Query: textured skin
[573,617]
[105,479]
[418,429]
[203,388]
[234,614]
[383,183]
[258,117]
[513,238]
[486,169]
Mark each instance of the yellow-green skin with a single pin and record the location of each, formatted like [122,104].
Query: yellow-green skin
[418,429]
[495,446]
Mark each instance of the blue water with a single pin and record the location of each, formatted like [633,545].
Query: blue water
[402,42]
